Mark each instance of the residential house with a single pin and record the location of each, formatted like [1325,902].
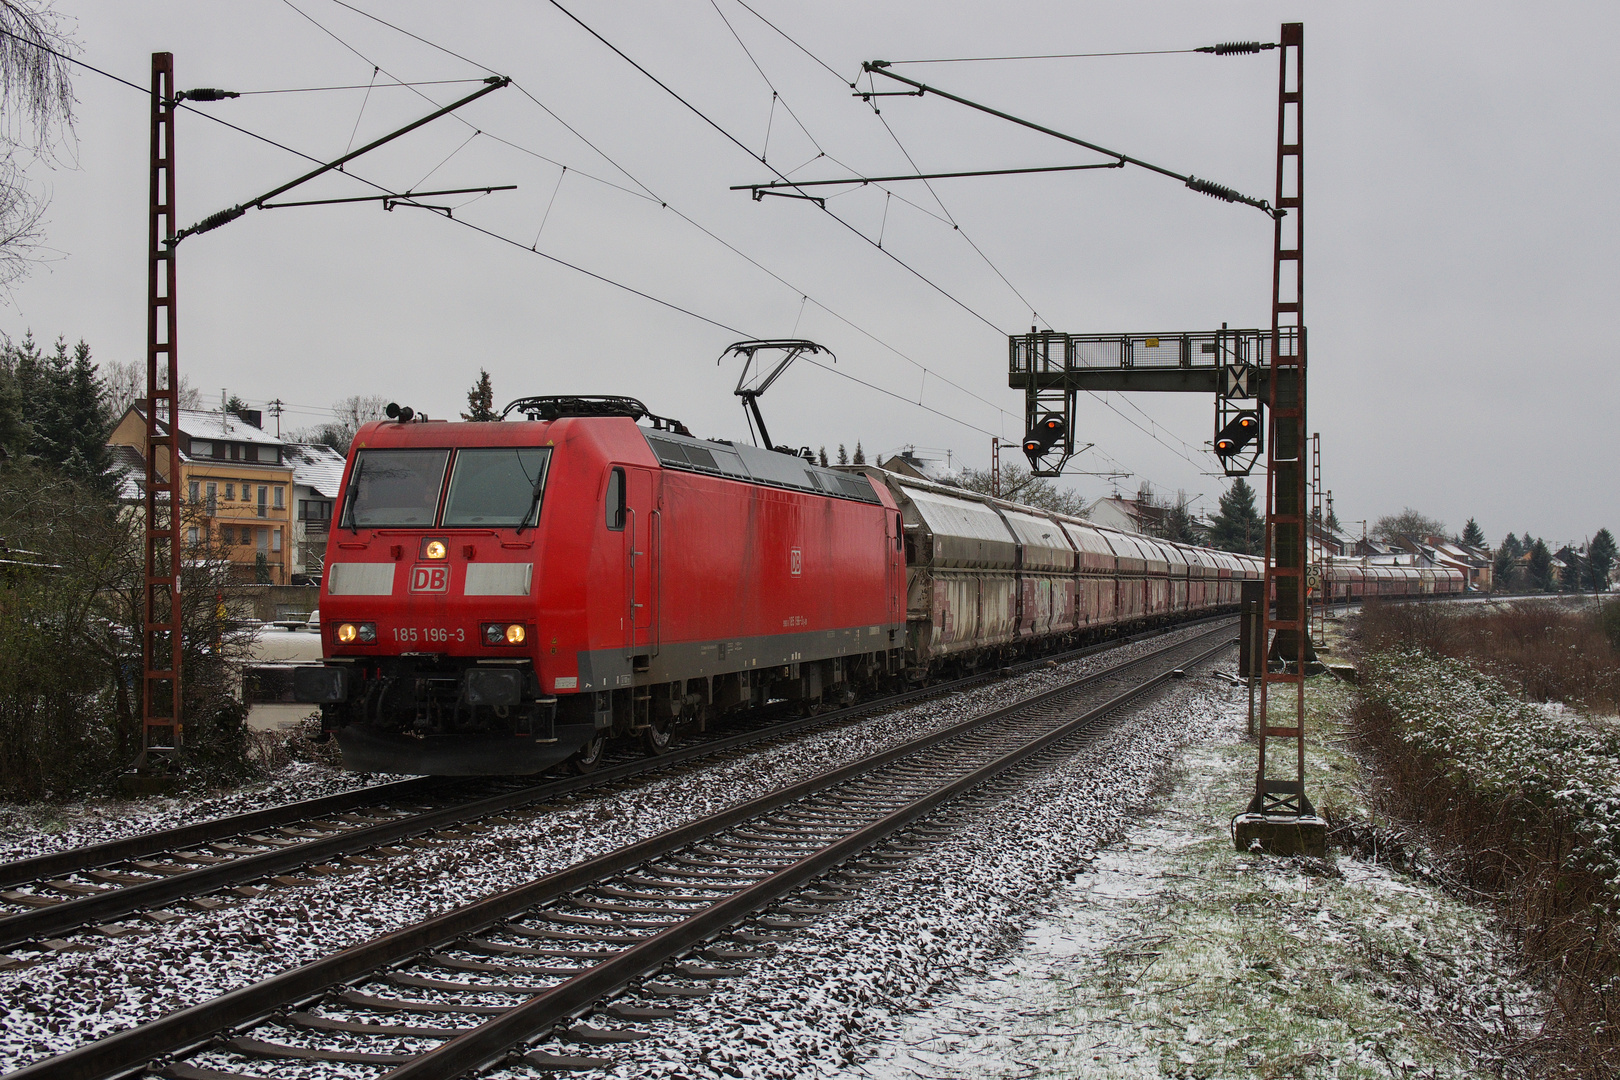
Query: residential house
[317,474]
[236,484]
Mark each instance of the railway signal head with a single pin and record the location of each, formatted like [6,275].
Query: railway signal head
[1044,435]
[1237,434]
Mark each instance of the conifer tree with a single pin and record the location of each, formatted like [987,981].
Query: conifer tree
[1505,570]
[860,455]
[1237,526]
[1600,559]
[843,455]
[821,456]
[481,400]
[1541,571]
[1472,535]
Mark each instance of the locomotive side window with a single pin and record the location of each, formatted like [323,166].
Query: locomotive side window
[615,500]
[395,488]
[498,486]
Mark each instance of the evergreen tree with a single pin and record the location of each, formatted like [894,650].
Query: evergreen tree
[1600,559]
[1237,526]
[821,457]
[481,400]
[843,455]
[1602,555]
[1573,574]
[89,459]
[1541,571]
[1505,571]
[860,455]
[1472,535]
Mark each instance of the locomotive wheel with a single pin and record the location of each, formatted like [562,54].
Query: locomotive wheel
[659,736]
[589,756]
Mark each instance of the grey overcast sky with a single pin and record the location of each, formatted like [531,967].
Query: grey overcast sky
[1461,222]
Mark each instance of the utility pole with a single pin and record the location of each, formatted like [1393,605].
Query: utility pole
[162,715]
[995,466]
[1280,819]
[275,407]
[162,718]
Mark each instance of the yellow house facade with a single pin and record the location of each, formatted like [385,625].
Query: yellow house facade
[238,486]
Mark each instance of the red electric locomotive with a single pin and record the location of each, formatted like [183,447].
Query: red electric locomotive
[501,597]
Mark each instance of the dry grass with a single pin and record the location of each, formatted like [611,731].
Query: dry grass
[1518,804]
[1545,650]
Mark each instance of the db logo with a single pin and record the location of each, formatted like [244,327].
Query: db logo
[430,579]
[795,561]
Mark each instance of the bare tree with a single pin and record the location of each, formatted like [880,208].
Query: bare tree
[351,414]
[36,105]
[1017,485]
[1408,523]
[125,383]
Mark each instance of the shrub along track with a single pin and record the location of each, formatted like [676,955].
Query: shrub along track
[51,896]
[618,937]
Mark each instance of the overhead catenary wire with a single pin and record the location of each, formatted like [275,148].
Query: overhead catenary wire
[700,114]
[950,218]
[665,204]
[504,239]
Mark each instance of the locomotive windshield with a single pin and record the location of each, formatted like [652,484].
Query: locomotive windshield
[489,486]
[496,486]
[391,488]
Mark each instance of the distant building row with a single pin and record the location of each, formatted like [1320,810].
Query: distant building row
[261,502]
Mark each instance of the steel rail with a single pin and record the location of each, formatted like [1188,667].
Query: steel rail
[44,923]
[489,1042]
[91,857]
[184,1031]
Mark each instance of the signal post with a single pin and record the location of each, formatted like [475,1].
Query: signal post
[1257,378]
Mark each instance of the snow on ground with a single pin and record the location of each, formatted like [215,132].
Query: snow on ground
[33,829]
[1066,934]
[63,1000]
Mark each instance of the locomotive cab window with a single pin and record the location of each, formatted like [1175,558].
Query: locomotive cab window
[499,486]
[395,488]
[615,500]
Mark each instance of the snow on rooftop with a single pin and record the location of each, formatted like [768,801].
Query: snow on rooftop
[315,465]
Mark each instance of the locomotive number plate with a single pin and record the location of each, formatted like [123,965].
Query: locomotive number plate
[429,633]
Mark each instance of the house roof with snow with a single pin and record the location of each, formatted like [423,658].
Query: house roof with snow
[316,466]
[128,472]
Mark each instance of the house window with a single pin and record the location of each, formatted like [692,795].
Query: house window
[191,493]
[227,535]
[281,497]
[314,510]
[264,540]
[213,494]
[191,533]
[264,508]
[201,449]
[275,539]
[230,491]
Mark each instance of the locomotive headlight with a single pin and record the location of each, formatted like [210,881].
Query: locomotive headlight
[504,633]
[434,549]
[357,633]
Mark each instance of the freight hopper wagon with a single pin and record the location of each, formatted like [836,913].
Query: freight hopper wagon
[501,597]
[988,580]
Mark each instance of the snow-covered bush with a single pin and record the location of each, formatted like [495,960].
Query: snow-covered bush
[1545,768]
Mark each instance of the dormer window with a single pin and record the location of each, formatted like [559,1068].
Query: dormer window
[201,448]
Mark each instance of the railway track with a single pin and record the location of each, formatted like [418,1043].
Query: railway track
[549,972]
[52,897]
